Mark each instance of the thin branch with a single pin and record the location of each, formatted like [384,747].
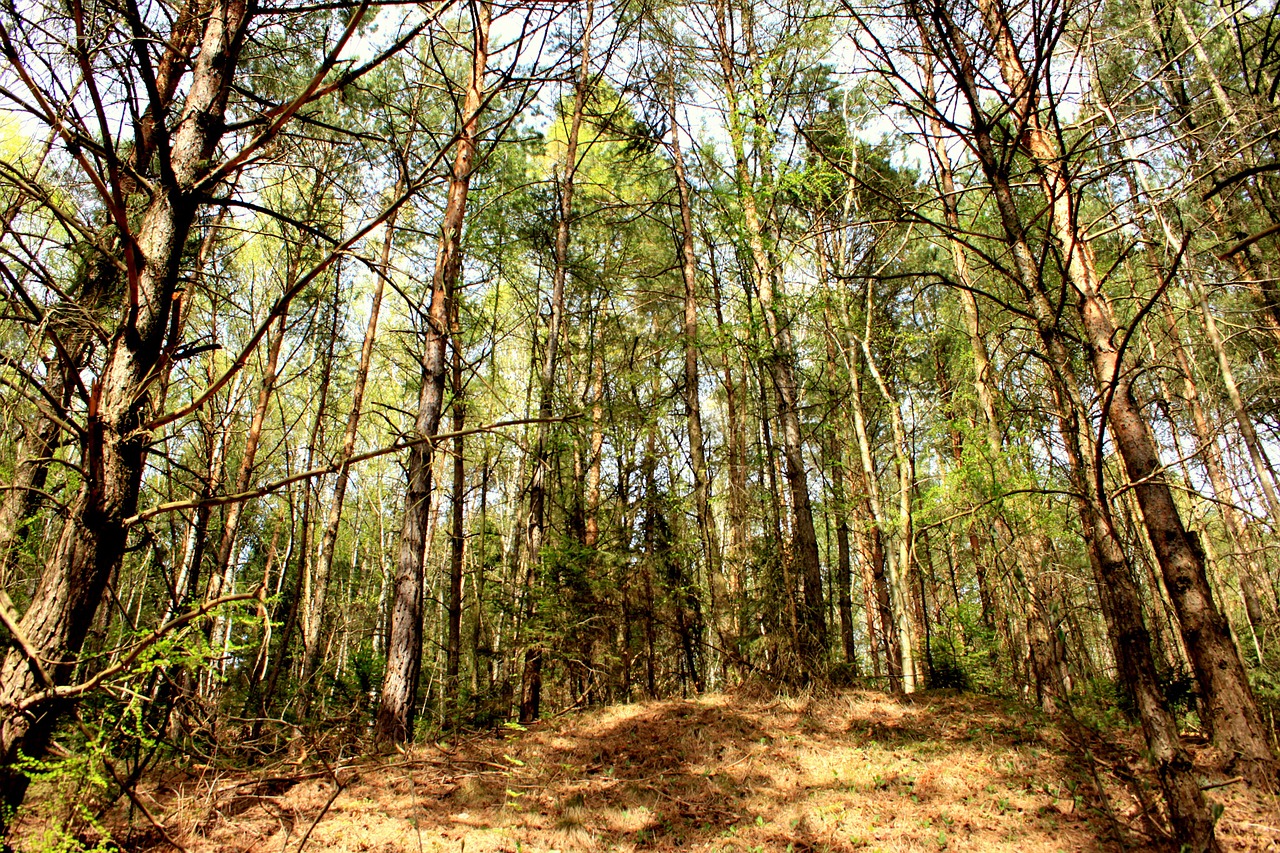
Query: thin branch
[72,691]
[332,468]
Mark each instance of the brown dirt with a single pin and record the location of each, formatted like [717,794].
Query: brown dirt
[852,771]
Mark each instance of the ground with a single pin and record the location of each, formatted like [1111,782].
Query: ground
[849,771]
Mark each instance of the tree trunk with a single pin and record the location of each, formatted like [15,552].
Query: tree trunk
[692,390]
[1122,605]
[404,650]
[833,451]
[114,448]
[1208,450]
[294,602]
[531,689]
[844,559]
[329,539]
[457,542]
[781,364]
[899,564]
[735,554]
[591,535]
[1232,715]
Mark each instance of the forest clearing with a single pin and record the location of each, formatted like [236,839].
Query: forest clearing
[381,374]
[846,772]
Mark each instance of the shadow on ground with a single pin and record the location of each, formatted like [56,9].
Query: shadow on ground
[853,771]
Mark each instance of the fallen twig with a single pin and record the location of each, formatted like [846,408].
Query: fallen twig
[1211,785]
[338,788]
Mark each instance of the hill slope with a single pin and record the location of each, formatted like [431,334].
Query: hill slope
[852,771]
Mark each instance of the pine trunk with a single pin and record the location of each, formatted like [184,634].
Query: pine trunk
[404,648]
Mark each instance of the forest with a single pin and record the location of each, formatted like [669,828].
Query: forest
[391,371]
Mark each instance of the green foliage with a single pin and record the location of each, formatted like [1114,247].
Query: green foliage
[78,784]
[947,673]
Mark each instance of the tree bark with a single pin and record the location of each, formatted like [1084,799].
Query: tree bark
[781,364]
[873,535]
[900,563]
[115,443]
[1231,712]
[692,389]
[1122,604]
[404,650]
[734,558]
[457,542]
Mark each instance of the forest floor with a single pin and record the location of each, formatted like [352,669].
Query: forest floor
[853,770]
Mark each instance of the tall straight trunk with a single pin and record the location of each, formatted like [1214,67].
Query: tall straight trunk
[184,583]
[481,652]
[781,361]
[1251,574]
[833,454]
[647,602]
[329,539]
[735,553]
[833,459]
[591,534]
[1047,657]
[197,541]
[457,542]
[294,598]
[844,560]
[900,563]
[874,606]
[259,697]
[1220,96]
[404,649]
[875,527]
[1208,450]
[303,591]
[1231,712]
[268,669]
[679,591]
[531,679]
[692,389]
[244,476]
[114,446]
[1122,604]
[844,576]
[779,578]
[1122,610]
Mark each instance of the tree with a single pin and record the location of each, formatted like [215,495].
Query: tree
[404,661]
